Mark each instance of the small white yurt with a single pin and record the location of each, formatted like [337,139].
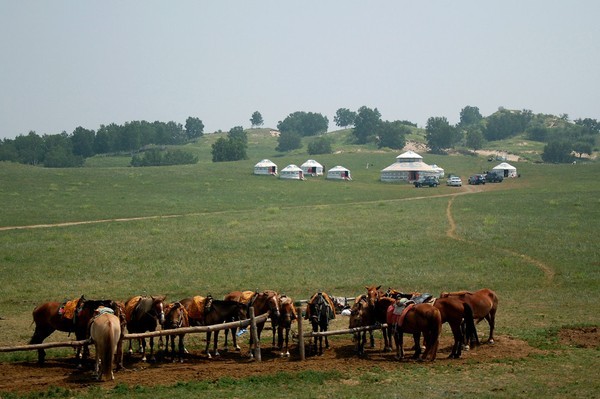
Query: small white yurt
[265,167]
[439,171]
[312,168]
[339,173]
[291,172]
[505,170]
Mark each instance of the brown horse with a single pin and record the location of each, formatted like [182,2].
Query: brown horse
[144,313]
[105,331]
[319,310]
[380,315]
[176,316]
[484,304]
[287,317]
[454,312]
[217,312]
[72,317]
[361,315]
[418,319]
[262,302]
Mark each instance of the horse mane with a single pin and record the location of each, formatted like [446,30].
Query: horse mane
[457,293]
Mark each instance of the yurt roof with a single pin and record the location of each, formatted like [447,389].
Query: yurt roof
[504,165]
[263,163]
[291,168]
[338,168]
[312,162]
[408,155]
[409,166]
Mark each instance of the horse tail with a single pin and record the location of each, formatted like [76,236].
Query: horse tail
[109,343]
[470,329]
[432,336]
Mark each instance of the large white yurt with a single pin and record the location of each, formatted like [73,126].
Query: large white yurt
[409,166]
[312,168]
[505,169]
[265,167]
[291,172]
[339,172]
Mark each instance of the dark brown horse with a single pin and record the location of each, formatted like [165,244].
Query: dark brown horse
[418,319]
[217,312]
[319,311]
[287,316]
[455,313]
[361,315]
[144,313]
[71,316]
[380,315]
[176,316]
[484,304]
[262,302]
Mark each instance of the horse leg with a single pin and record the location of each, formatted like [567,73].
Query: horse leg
[491,319]
[372,339]
[181,347]
[216,341]
[458,340]
[39,335]
[152,358]
[287,338]
[143,349]
[417,339]
[207,349]
[324,329]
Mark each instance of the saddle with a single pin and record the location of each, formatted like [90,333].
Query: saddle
[67,309]
[422,298]
[196,310]
[397,312]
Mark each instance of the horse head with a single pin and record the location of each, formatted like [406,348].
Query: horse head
[208,304]
[157,309]
[373,294]
[359,315]
[175,316]
[272,299]
[288,311]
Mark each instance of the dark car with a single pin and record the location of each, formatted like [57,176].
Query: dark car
[494,178]
[427,181]
[477,179]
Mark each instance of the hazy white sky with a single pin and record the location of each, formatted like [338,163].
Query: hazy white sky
[85,63]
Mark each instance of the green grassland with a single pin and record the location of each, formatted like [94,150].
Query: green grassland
[215,227]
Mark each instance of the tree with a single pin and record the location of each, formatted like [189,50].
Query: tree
[581,147]
[194,128]
[257,119]
[392,135]
[589,124]
[505,123]
[83,142]
[469,116]
[320,145]
[31,149]
[474,137]
[557,152]
[344,117]
[232,148]
[440,134]
[304,123]
[366,124]
[288,141]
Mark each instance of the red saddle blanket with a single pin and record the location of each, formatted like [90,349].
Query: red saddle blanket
[397,319]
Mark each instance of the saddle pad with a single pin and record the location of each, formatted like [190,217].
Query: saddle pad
[68,309]
[397,319]
[196,310]
[130,306]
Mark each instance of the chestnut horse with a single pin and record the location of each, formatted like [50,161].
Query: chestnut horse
[319,310]
[144,313]
[51,316]
[176,316]
[262,302]
[361,315]
[422,318]
[455,313]
[287,316]
[105,331]
[484,304]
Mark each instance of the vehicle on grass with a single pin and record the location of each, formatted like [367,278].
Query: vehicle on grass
[427,181]
[477,179]
[454,181]
[493,178]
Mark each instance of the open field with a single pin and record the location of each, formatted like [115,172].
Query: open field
[213,228]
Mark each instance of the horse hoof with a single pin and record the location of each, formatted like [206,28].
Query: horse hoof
[491,342]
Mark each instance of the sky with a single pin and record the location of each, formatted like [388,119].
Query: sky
[75,63]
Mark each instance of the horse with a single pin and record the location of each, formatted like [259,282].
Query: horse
[319,310]
[416,319]
[287,317]
[176,316]
[380,316]
[361,315]
[144,313]
[455,313]
[105,332]
[70,316]
[262,302]
[484,303]
[217,312]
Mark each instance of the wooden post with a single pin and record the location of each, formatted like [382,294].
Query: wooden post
[300,335]
[254,332]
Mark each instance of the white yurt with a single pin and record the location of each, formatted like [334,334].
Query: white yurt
[312,168]
[291,172]
[505,169]
[439,171]
[339,173]
[265,167]
[409,166]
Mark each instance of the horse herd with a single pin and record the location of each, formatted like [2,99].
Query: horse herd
[104,321]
